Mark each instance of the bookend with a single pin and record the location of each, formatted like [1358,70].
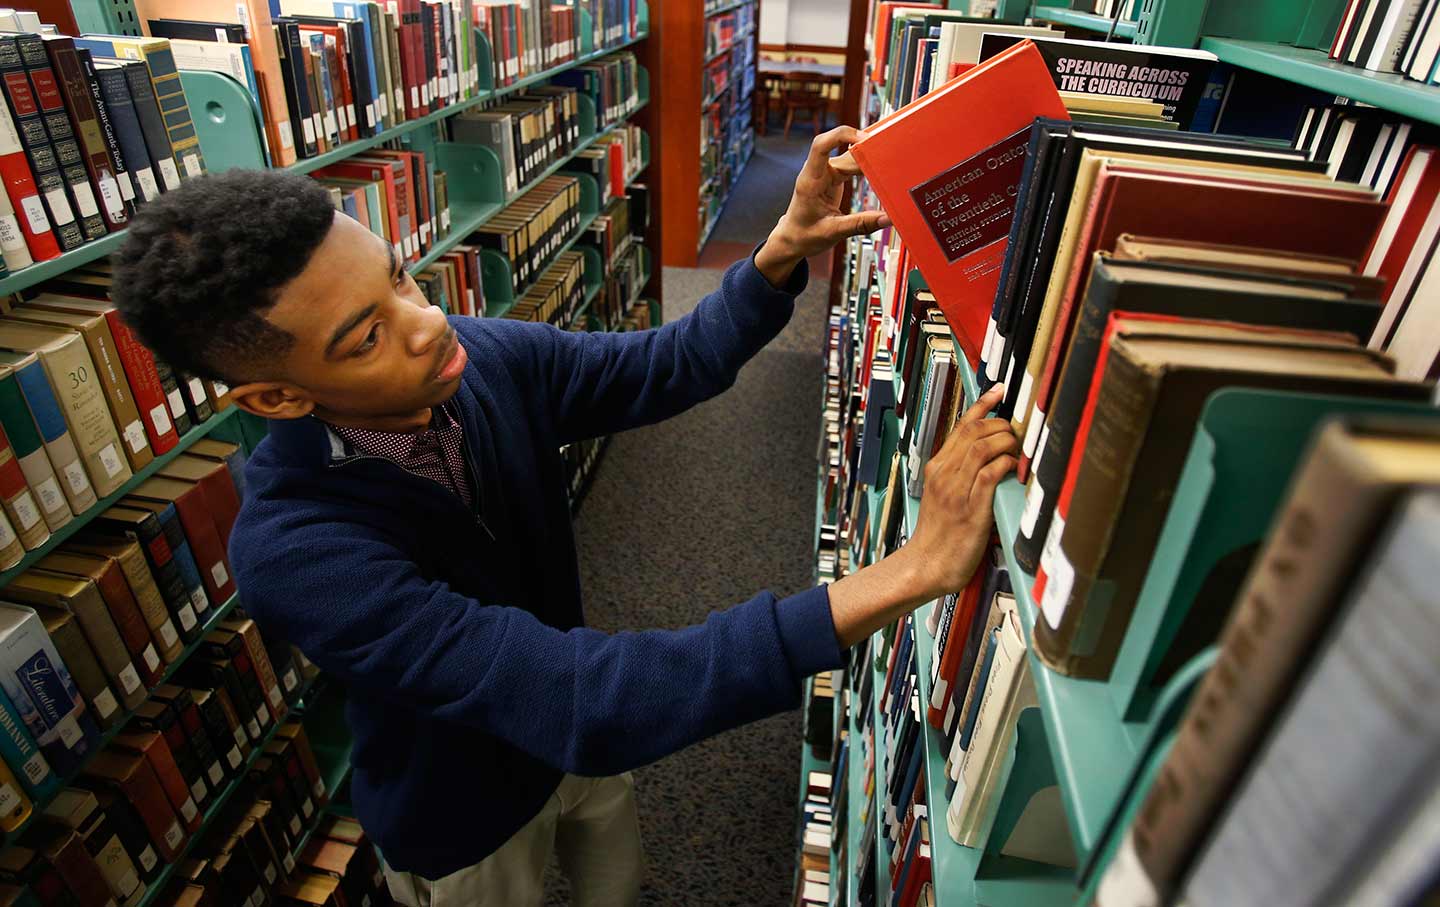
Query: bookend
[226,119]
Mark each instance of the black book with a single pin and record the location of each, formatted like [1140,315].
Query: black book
[118,161]
[297,86]
[162,717]
[1037,260]
[125,126]
[173,398]
[217,728]
[128,826]
[39,149]
[197,402]
[195,30]
[1179,290]
[152,122]
[50,98]
[356,61]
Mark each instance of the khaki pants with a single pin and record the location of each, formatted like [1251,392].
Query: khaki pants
[591,825]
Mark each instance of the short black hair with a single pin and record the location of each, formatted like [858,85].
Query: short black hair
[201,265]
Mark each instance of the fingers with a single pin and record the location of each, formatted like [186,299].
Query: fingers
[982,491]
[844,164]
[984,451]
[984,405]
[816,165]
[861,223]
[961,436]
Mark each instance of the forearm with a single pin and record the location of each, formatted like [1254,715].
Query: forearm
[863,602]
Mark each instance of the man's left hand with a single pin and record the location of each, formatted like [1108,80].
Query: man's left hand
[814,222]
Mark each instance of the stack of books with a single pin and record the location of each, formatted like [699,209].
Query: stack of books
[555,294]
[815,835]
[529,230]
[528,132]
[613,84]
[87,140]
[399,195]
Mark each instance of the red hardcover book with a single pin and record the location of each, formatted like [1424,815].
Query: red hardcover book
[137,361]
[1320,218]
[379,171]
[156,751]
[131,776]
[880,46]
[216,485]
[407,225]
[24,195]
[947,168]
[199,528]
[413,164]
[412,63]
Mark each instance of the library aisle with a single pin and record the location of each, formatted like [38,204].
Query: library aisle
[731,515]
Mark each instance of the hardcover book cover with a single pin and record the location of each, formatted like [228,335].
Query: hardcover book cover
[952,201]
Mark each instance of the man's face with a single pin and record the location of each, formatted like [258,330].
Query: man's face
[368,345]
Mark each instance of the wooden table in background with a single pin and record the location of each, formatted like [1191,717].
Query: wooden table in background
[772,72]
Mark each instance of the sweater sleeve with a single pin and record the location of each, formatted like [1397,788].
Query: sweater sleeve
[583,701]
[603,382]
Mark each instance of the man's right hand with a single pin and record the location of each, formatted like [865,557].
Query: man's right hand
[951,534]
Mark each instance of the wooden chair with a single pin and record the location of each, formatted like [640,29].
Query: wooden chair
[804,92]
[766,95]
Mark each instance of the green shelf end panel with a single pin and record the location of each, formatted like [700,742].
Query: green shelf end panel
[1246,447]
[226,119]
[1387,90]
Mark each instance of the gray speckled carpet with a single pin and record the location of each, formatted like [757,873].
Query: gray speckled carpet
[696,514]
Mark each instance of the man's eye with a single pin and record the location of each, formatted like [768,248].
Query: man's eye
[370,340]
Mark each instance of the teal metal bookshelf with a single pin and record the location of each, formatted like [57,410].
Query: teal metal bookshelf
[1074,18]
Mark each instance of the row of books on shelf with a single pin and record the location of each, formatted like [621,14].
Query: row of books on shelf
[527,39]
[717,6]
[612,83]
[527,132]
[1389,36]
[82,406]
[921,48]
[118,834]
[1136,273]
[721,32]
[817,828]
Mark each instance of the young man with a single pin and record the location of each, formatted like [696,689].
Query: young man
[406,524]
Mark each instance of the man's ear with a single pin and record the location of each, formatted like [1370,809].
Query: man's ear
[272,400]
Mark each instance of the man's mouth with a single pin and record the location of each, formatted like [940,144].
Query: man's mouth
[453,362]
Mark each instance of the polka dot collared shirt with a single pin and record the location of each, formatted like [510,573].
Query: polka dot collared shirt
[436,453]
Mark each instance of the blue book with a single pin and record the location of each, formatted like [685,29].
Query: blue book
[39,685]
[20,751]
[59,445]
[364,57]
[347,204]
[327,88]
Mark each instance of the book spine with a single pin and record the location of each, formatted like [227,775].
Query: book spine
[31,221]
[19,504]
[105,640]
[59,444]
[168,579]
[174,398]
[206,755]
[40,151]
[297,86]
[19,750]
[113,151]
[125,417]
[143,790]
[150,601]
[220,732]
[205,545]
[264,671]
[68,855]
[152,124]
[117,104]
[131,831]
[72,375]
[143,381]
[40,476]
[1068,637]
[125,612]
[85,126]
[220,693]
[101,841]
[50,98]
[85,670]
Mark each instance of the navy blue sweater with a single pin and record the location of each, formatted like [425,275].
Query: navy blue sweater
[473,682]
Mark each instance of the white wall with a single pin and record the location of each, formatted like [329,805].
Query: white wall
[774,21]
[805,22]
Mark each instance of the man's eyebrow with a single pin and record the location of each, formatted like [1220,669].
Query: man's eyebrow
[350,324]
[394,260]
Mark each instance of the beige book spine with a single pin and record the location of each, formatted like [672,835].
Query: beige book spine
[986,787]
[22,510]
[11,551]
[110,371]
[71,471]
[994,703]
[41,478]
[1324,528]
[151,602]
[77,387]
[1076,217]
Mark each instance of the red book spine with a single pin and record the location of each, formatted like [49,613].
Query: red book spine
[24,195]
[205,545]
[120,601]
[222,502]
[144,380]
[413,64]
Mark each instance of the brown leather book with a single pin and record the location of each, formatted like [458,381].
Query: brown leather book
[163,718]
[1340,497]
[109,579]
[264,672]
[213,477]
[199,528]
[229,645]
[131,558]
[156,751]
[80,810]
[130,776]
[81,597]
[62,848]
[294,731]
[208,757]
[1158,372]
